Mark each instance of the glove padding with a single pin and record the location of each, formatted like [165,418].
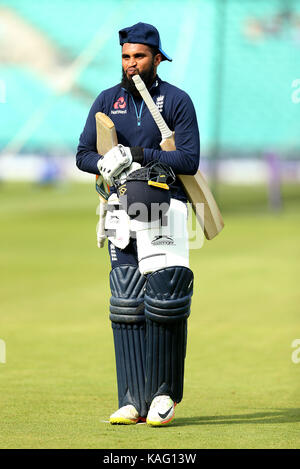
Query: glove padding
[114,162]
[122,177]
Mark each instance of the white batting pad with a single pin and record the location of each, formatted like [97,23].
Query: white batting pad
[163,246]
[117,223]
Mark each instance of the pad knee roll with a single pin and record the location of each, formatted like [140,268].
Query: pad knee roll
[128,324]
[168,294]
[127,295]
[167,307]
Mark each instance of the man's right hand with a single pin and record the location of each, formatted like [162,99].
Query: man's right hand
[114,162]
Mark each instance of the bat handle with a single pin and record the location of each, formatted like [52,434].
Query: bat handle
[141,87]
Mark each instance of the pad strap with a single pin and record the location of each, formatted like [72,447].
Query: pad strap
[127,295]
[168,294]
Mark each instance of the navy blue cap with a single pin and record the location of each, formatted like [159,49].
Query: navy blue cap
[143,33]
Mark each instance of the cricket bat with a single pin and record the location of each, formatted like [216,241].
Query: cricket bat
[196,187]
[106,139]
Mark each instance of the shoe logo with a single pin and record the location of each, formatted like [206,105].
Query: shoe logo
[165,415]
[163,240]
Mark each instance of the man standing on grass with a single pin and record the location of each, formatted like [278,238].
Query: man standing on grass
[150,280]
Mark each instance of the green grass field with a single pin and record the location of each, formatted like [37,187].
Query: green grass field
[58,385]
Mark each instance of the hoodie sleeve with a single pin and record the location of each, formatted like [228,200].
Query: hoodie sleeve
[185,159]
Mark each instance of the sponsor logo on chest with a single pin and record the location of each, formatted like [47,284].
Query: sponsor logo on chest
[119,107]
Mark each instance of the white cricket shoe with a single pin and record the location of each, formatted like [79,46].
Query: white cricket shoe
[126,415]
[161,412]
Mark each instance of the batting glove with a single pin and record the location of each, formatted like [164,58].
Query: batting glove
[122,177]
[114,162]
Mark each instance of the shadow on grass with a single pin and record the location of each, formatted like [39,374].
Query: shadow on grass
[278,416]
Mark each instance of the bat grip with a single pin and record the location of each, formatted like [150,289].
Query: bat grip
[161,124]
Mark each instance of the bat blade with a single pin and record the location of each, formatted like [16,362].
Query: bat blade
[106,133]
[196,187]
[106,139]
[198,193]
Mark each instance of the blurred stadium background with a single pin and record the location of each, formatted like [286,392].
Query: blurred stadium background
[239,61]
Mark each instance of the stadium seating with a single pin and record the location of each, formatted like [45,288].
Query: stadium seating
[237,64]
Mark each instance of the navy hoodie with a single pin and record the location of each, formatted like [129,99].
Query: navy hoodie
[136,128]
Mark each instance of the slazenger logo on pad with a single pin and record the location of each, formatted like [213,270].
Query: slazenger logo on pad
[160,240]
[119,106]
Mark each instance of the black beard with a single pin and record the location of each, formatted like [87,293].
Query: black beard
[148,78]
